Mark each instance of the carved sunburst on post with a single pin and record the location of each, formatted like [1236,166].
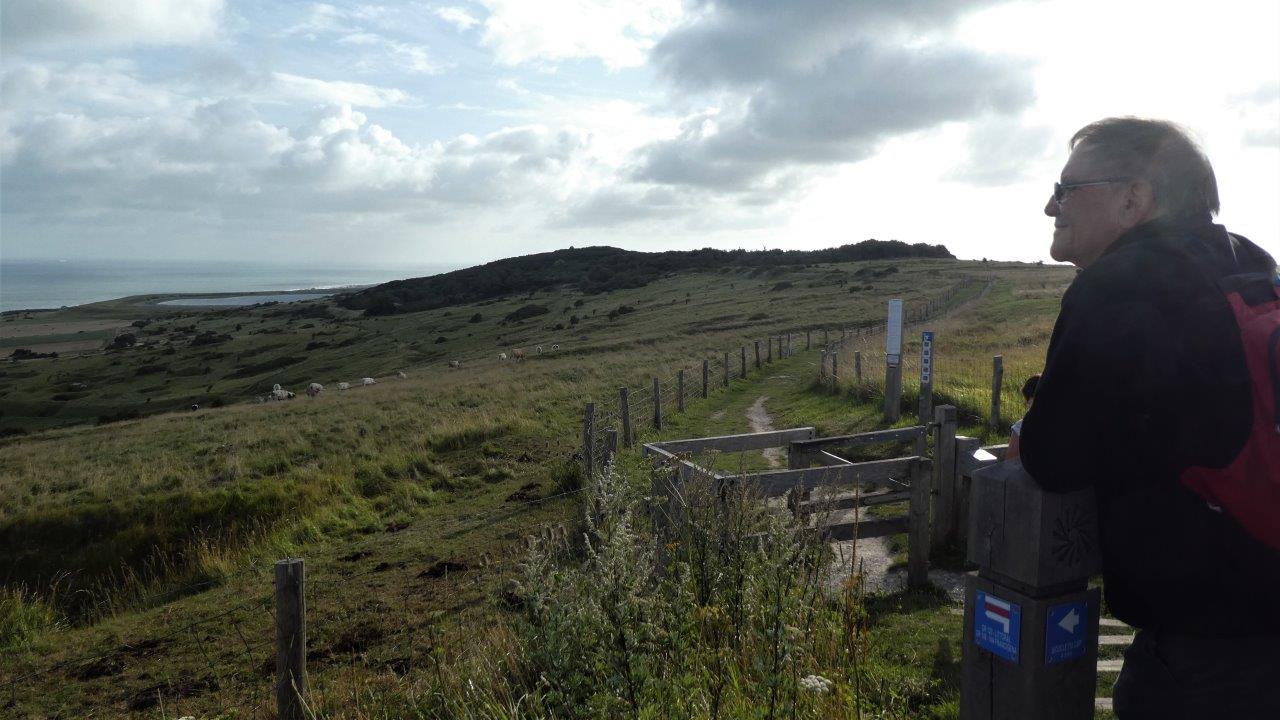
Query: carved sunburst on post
[1072,539]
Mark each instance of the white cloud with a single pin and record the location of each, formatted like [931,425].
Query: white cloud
[25,23]
[296,87]
[457,17]
[617,32]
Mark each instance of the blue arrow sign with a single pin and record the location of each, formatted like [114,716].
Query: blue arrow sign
[1065,628]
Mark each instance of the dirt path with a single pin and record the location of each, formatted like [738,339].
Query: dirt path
[871,556]
[762,422]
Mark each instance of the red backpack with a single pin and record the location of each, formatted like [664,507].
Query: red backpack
[1248,489]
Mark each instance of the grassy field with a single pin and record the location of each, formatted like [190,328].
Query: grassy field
[138,551]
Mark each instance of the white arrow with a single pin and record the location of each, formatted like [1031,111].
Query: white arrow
[1070,622]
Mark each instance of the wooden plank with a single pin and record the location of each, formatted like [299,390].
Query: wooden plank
[1115,639]
[865,528]
[907,434]
[1102,704]
[1111,622]
[739,443]
[1110,666]
[918,532]
[945,529]
[847,500]
[778,482]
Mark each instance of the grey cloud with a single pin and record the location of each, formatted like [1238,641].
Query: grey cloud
[25,23]
[616,206]
[1002,150]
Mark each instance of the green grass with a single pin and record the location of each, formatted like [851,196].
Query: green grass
[376,486]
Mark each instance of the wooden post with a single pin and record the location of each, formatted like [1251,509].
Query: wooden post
[945,483]
[610,446]
[822,367]
[768,350]
[291,639]
[680,391]
[742,361]
[788,352]
[893,392]
[918,527]
[835,376]
[757,354]
[706,379]
[857,366]
[997,379]
[826,341]
[624,404]
[926,377]
[726,369]
[657,405]
[588,440]
[808,339]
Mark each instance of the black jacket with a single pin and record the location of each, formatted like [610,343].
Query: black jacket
[1145,376]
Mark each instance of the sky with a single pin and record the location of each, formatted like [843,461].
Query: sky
[461,132]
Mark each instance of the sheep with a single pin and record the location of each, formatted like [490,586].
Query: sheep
[275,387]
[502,357]
[344,386]
[278,394]
[314,389]
[538,349]
[454,363]
[368,381]
[519,353]
[194,407]
[401,375]
[555,347]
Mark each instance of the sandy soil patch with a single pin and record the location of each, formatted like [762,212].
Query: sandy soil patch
[761,421]
[18,329]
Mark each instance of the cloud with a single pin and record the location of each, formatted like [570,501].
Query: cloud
[24,23]
[286,86]
[1003,150]
[818,83]
[619,33]
[457,17]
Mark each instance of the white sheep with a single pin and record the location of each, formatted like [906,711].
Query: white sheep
[314,389]
[368,381]
[454,363]
[344,386]
[275,387]
[539,349]
[555,347]
[401,375]
[502,356]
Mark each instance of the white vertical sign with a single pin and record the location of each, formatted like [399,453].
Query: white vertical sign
[893,334]
[926,357]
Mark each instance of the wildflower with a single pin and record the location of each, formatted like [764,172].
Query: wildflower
[816,683]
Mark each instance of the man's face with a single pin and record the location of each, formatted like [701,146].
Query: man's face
[1088,219]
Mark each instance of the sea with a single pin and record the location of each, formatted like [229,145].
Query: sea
[32,284]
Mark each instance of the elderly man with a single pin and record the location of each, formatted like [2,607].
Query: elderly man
[1145,376]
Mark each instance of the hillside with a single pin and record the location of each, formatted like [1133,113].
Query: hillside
[594,270]
[137,553]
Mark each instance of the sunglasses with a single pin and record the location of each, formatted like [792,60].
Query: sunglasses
[1060,190]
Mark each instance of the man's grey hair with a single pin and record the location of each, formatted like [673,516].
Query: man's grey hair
[1160,152]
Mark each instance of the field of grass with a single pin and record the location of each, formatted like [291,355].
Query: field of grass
[411,499]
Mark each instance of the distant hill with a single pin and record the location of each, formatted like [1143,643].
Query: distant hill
[600,269]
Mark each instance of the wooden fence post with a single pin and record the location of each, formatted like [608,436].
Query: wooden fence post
[624,404]
[822,367]
[768,350]
[918,527]
[706,379]
[945,483]
[680,391]
[588,440]
[893,392]
[835,377]
[657,405]
[997,379]
[808,339]
[826,340]
[926,377]
[757,354]
[291,639]
[857,366]
[788,353]
[610,446]
[726,369]
[742,361]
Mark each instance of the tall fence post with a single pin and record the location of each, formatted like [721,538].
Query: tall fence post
[768,349]
[291,639]
[726,369]
[588,440]
[835,376]
[742,361]
[624,404]
[680,391]
[926,377]
[788,353]
[657,405]
[945,483]
[918,527]
[706,379]
[857,366]
[826,339]
[997,379]
[757,354]
[822,367]
[808,339]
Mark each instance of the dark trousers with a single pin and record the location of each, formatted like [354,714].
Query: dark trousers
[1168,677]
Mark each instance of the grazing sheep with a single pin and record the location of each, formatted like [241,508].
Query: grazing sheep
[314,389]
[555,347]
[519,353]
[277,394]
[194,407]
[454,363]
[275,387]
[401,375]
[368,381]
[344,386]
[502,357]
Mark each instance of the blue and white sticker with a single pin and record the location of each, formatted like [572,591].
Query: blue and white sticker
[926,357]
[1065,628]
[996,626]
